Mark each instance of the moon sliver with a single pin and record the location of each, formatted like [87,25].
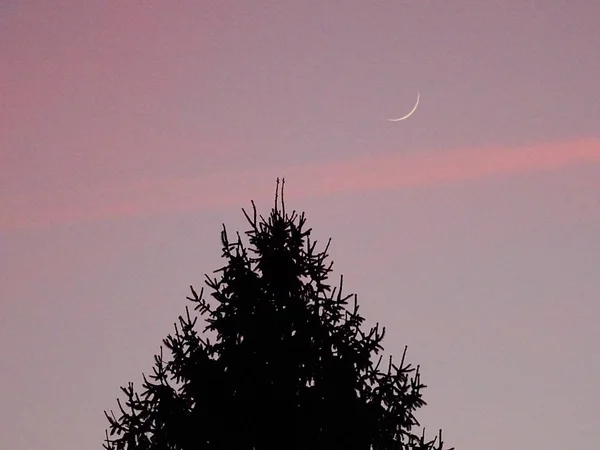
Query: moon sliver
[410,113]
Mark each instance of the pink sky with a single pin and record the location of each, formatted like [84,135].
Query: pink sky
[424,169]
[130,131]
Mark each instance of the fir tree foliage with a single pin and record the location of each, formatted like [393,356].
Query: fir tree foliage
[289,367]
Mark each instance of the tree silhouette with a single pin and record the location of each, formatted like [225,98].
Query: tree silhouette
[290,366]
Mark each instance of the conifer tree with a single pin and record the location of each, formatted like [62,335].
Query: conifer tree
[289,366]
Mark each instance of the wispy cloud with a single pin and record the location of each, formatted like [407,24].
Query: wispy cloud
[360,174]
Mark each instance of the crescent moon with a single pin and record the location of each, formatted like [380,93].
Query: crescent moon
[412,111]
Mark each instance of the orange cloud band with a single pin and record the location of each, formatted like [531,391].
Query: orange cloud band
[367,173]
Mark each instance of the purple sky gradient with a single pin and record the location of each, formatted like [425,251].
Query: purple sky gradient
[129,131]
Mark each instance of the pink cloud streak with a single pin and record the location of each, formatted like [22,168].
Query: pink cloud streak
[361,174]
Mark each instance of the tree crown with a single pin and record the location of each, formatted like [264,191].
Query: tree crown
[290,366]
